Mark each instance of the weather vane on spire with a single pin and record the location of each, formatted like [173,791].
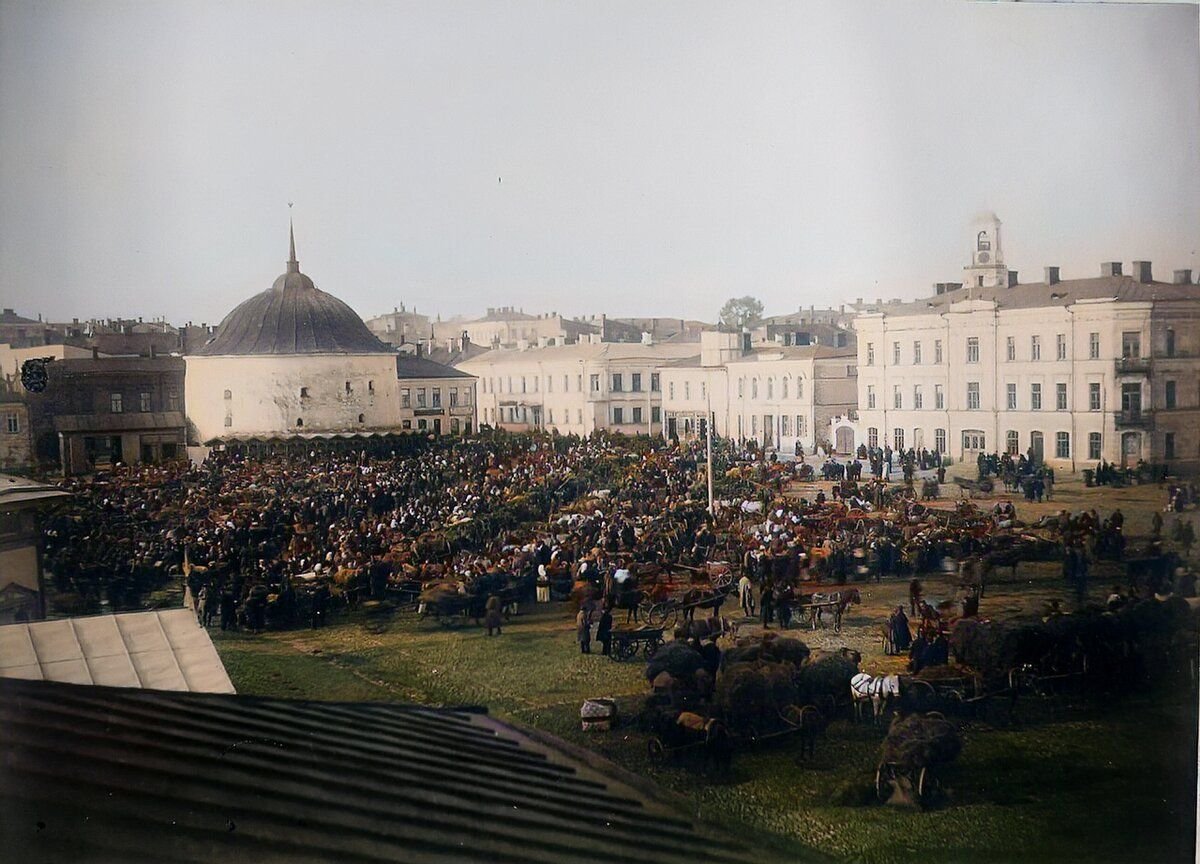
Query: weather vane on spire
[293,265]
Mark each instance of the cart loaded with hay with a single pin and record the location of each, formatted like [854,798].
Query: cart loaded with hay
[916,750]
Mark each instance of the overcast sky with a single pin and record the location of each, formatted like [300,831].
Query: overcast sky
[626,157]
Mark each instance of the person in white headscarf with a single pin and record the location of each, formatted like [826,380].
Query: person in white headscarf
[543,584]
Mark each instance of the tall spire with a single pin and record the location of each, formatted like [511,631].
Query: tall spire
[293,266]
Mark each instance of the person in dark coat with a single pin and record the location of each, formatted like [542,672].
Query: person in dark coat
[228,610]
[901,636]
[768,604]
[604,631]
[491,614]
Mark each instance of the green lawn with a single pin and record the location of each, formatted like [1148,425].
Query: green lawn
[1096,783]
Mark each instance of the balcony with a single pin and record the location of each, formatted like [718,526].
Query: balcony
[1133,365]
[1134,420]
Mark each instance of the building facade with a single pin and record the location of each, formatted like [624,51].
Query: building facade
[22,597]
[574,389]
[435,399]
[401,326]
[1068,371]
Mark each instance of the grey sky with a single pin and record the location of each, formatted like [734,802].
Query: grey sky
[627,157]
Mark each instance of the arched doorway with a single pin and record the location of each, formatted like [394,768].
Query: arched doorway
[843,439]
[1131,449]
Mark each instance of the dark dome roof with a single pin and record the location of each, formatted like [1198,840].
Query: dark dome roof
[293,317]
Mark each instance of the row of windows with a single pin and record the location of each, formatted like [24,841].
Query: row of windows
[116,402]
[636,415]
[785,387]
[768,425]
[522,384]
[976,441]
[456,395]
[1130,347]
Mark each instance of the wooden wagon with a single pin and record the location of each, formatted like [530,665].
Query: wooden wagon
[626,643]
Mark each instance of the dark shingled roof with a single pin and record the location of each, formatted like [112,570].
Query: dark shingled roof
[293,317]
[108,774]
[408,366]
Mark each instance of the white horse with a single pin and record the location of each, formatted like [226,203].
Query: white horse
[877,692]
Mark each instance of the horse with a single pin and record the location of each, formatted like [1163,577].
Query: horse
[702,598]
[877,692]
[631,601]
[838,601]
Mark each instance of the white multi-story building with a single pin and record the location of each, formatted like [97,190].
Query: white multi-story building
[1070,371]
[779,396]
[574,388]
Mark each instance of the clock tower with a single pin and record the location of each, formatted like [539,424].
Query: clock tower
[986,269]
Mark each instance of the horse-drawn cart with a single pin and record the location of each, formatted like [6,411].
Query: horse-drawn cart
[627,643]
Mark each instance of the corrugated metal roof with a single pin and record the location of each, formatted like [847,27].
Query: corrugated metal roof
[100,774]
[159,650]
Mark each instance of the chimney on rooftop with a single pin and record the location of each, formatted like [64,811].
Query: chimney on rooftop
[1110,268]
[1052,276]
[1142,272]
[1012,278]
[1182,277]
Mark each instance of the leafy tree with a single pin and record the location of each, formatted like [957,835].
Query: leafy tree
[739,312]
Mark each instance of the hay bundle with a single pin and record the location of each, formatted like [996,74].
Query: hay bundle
[751,696]
[678,659]
[992,649]
[918,741]
[828,676]
[770,647]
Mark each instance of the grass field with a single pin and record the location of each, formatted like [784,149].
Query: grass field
[1084,782]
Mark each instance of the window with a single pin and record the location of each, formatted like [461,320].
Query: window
[1010,391]
[1035,347]
[870,395]
[916,353]
[671,389]
[362,418]
[1169,445]
[785,387]
[453,397]
[299,422]
[228,421]
[895,353]
[1094,396]
[785,426]
[114,403]
[1170,342]
[405,398]
[1060,397]
[799,388]
[228,394]
[939,397]
[303,392]
[897,438]
[655,385]
[420,397]
[1060,342]
[973,439]
[1131,345]
[1094,442]
[1093,346]
[897,399]
[1012,442]
[567,383]
[917,404]
[753,388]
[524,386]
[1010,348]
[579,384]
[144,403]
[349,389]
[687,389]
[872,437]
[455,426]
[703,390]
[618,416]
[741,388]
[753,425]
[937,350]
[370,386]
[635,382]
[549,383]
[637,415]
[973,349]
[1035,397]
[1062,445]
[939,440]
[770,388]
[801,425]
[616,382]
[406,424]
[173,399]
[973,396]
[595,383]
[655,414]
[550,416]
[12,424]
[1170,395]
[422,424]
[579,416]
[437,397]
[870,353]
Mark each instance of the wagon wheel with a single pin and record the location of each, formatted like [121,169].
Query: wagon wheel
[656,750]
[651,647]
[928,786]
[883,778]
[663,614]
[837,620]
[625,650]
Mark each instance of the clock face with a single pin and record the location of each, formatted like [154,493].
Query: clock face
[984,257]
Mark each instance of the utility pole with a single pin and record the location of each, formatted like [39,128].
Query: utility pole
[708,437]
